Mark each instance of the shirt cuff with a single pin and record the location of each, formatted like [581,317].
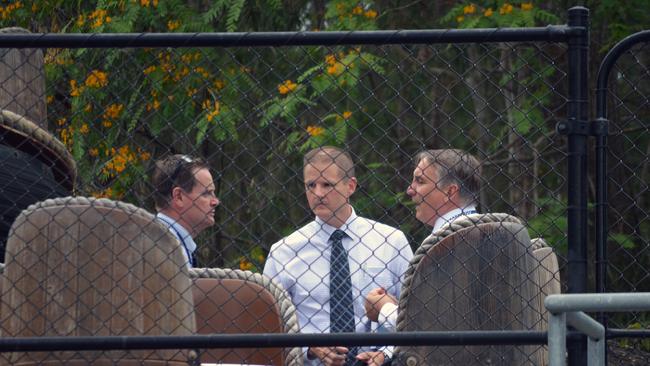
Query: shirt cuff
[388,317]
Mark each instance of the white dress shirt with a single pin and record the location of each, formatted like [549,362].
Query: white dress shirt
[388,313]
[378,256]
[183,236]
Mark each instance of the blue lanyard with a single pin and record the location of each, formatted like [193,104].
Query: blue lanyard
[463,213]
[180,237]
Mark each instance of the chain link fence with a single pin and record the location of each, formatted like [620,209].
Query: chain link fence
[88,266]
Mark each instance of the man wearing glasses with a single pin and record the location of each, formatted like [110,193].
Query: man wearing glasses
[184,194]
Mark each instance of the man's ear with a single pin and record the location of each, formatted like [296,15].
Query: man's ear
[177,197]
[453,192]
[352,185]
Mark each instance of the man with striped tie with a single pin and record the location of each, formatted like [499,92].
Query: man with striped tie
[446,186]
[328,265]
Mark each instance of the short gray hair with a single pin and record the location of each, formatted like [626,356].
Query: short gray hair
[455,166]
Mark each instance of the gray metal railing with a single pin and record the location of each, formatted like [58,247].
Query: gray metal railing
[569,309]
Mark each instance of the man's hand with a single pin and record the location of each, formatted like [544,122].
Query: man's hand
[330,356]
[372,358]
[375,300]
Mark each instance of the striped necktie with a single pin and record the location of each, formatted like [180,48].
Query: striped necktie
[341,306]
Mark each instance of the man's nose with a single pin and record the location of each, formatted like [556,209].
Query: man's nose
[410,191]
[215,202]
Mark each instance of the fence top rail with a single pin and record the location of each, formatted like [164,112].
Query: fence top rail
[551,33]
[614,302]
[266,340]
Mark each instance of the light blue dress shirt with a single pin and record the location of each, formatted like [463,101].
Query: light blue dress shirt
[378,256]
[183,236]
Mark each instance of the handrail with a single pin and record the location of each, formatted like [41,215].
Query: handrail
[570,308]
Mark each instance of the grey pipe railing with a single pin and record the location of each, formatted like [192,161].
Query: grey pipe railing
[569,309]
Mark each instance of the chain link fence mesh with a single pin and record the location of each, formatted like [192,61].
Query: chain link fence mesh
[251,114]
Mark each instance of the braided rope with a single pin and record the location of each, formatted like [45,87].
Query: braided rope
[70,201]
[460,223]
[20,125]
[294,356]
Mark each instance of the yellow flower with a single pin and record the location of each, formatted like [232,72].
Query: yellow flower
[488,12]
[506,9]
[88,108]
[287,87]
[213,109]
[144,3]
[106,123]
[81,20]
[50,99]
[336,69]
[357,10]
[61,121]
[460,19]
[315,131]
[93,152]
[370,14]
[149,70]
[527,6]
[172,25]
[219,84]
[97,79]
[191,91]
[469,9]
[84,129]
[75,90]
[330,60]
[113,111]
[34,8]
[154,105]
[347,115]
[244,264]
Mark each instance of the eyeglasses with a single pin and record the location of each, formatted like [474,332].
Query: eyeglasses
[183,159]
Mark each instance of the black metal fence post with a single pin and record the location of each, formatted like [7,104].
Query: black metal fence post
[577,113]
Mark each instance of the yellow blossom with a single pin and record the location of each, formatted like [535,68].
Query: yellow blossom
[106,123]
[93,152]
[61,121]
[469,9]
[330,60]
[488,12]
[75,90]
[81,19]
[527,6]
[357,10]
[149,70]
[211,108]
[97,79]
[219,84]
[34,8]
[172,25]
[460,19]
[287,87]
[144,3]
[121,159]
[370,14]
[202,71]
[113,111]
[191,91]
[50,99]
[336,69]
[315,131]
[154,105]
[84,129]
[506,9]
[347,115]
[88,108]
[244,264]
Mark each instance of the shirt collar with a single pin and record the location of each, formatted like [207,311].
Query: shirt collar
[179,229]
[347,227]
[452,215]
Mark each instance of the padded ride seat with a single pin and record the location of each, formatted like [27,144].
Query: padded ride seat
[477,273]
[235,301]
[94,267]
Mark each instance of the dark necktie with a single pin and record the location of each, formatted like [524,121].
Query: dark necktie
[341,306]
